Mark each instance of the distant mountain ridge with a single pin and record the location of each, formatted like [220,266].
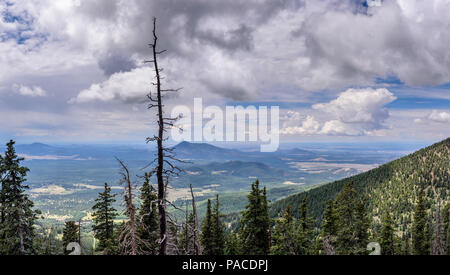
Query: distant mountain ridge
[183,150]
[189,150]
[391,187]
[38,149]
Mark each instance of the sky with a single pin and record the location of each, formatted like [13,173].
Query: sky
[340,70]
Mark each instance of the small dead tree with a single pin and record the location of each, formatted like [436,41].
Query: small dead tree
[165,156]
[328,247]
[197,248]
[129,240]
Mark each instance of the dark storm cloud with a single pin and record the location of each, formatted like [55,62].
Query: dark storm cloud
[237,39]
[115,62]
[185,27]
[100,9]
[232,91]
[244,14]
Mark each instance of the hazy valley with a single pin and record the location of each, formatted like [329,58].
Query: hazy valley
[65,180]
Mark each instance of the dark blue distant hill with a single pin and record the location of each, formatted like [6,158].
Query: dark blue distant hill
[204,151]
[38,149]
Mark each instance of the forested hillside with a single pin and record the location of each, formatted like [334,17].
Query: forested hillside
[392,187]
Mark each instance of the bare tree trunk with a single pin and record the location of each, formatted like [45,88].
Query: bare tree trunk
[196,235]
[164,154]
[159,140]
[132,220]
[79,231]
[186,230]
[269,231]
[328,247]
[128,237]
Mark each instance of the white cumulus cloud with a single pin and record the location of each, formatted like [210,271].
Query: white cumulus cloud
[339,128]
[365,106]
[129,87]
[439,116]
[355,112]
[310,126]
[34,91]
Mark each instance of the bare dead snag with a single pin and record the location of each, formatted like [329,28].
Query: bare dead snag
[164,166]
[79,231]
[196,235]
[186,230]
[130,242]
[328,247]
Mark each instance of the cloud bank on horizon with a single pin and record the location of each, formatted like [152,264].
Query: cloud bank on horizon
[73,69]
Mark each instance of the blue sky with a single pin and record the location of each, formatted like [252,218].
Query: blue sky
[341,71]
[419,103]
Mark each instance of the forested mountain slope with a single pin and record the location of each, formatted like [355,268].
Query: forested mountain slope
[392,186]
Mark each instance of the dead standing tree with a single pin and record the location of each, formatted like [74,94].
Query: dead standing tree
[128,235]
[197,249]
[130,242]
[165,156]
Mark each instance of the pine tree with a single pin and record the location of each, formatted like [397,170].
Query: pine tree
[362,224]
[70,235]
[317,243]
[207,238]
[406,246]
[16,209]
[218,230]
[420,226]
[437,244]
[429,234]
[148,214]
[352,223]
[266,223]
[387,235]
[305,231]
[330,220]
[284,235]
[345,203]
[233,245]
[398,245]
[256,223]
[104,215]
[329,229]
[47,243]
